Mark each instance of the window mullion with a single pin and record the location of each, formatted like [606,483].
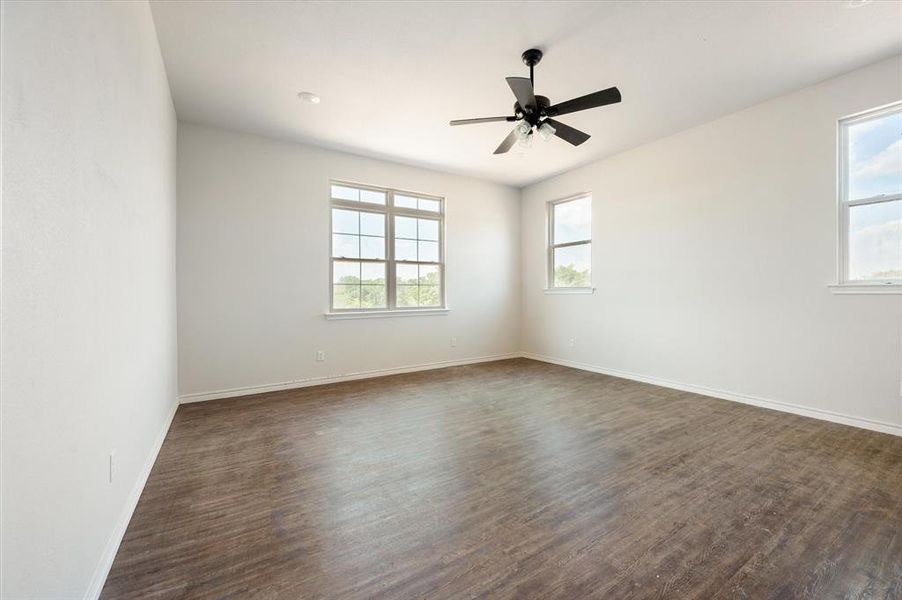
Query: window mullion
[391,300]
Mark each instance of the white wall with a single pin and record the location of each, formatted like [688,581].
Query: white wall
[88,295]
[712,254]
[253,266]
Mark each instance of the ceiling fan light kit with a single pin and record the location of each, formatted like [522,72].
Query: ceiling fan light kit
[546,131]
[534,113]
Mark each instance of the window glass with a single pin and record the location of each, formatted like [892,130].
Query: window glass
[358,284]
[875,157]
[405,250]
[372,224]
[405,201]
[345,246]
[372,247]
[345,221]
[427,204]
[572,221]
[358,234]
[406,227]
[418,285]
[430,205]
[875,233]
[571,266]
[427,229]
[427,251]
[372,196]
[340,192]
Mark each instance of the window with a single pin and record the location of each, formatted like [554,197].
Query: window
[387,249]
[570,243]
[870,197]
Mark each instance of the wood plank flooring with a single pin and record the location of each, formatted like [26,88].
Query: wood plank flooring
[513,479]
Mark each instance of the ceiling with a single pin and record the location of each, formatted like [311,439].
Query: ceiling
[392,74]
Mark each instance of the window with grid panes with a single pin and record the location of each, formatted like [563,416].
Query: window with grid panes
[387,249]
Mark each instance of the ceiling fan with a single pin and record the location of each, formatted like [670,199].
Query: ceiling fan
[536,112]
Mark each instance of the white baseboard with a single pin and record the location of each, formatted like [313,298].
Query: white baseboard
[112,546]
[795,409]
[311,381]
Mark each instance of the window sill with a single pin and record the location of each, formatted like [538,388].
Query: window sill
[568,291]
[866,288]
[384,314]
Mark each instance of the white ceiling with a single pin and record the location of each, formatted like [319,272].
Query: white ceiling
[392,74]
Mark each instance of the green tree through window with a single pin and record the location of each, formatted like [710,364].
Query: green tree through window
[569,276]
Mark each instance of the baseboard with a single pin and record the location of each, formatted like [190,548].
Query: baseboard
[112,546]
[311,381]
[795,409]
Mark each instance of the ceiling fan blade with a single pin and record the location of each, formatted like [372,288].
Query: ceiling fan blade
[567,133]
[482,120]
[522,89]
[508,142]
[602,98]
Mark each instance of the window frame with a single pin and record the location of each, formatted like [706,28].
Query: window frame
[389,211]
[845,203]
[551,246]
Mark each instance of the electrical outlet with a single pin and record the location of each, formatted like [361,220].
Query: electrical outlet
[454,342]
[572,342]
[320,355]
[112,456]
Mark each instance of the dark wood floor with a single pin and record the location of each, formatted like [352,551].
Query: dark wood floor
[512,479]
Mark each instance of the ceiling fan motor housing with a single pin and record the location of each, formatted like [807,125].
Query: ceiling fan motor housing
[534,115]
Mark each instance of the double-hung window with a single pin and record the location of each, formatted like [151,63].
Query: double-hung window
[870,197]
[570,243]
[387,249]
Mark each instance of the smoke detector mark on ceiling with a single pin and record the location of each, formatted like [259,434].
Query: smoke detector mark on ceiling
[309,97]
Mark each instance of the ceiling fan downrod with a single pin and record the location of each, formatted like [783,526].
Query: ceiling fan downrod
[532,57]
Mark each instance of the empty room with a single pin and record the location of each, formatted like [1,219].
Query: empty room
[452,299]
